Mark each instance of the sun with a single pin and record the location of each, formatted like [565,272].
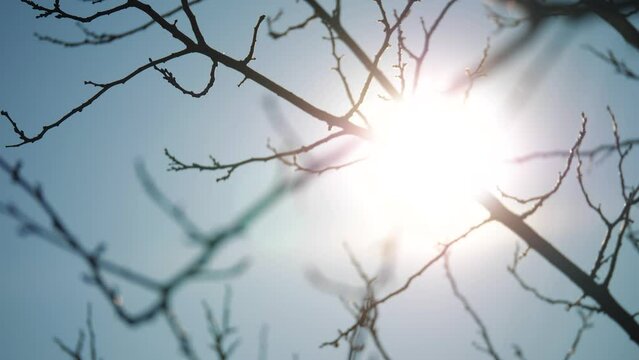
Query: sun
[433,153]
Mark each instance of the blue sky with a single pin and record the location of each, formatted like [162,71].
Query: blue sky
[86,167]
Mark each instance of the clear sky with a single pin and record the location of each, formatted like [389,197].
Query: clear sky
[87,169]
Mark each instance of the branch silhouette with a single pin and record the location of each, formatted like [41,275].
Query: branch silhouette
[531,18]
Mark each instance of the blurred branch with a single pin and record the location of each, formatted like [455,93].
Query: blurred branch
[603,151]
[76,353]
[364,311]
[172,210]
[192,269]
[536,15]
[633,237]
[182,337]
[222,332]
[373,303]
[618,65]
[477,72]
[92,343]
[262,352]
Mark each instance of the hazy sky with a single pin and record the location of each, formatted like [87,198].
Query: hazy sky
[87,170]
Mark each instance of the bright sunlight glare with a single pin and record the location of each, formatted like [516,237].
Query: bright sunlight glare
[435,152]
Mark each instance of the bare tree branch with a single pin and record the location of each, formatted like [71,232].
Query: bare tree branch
[177,165]
[618,65]
[93,38]
[222,332]
[488,347]
[540,199]
[600,293]
[270,21]
[512,269]
[428,34]
[585,325]
[25,139]
[77,352]
[170,78]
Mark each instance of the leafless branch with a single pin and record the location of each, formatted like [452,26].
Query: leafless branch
[249,57]
[177,165]
[488,347]
[195,27]
[433,260]
[512,269]
[602,151]
[428,34]
[338,68]
[191,46]
[585,325]
[77,352]
[172,210]
[540,199]
[92,345]
[270,21]
[623,220]
[222,332]
[58,13]
[97,265]
[93,38]
[344,36]
[365,312]
[373,304]
[25,139]
[608,304]
[618,65]
[294,163]
[170,78]
[180,334]
[477,72]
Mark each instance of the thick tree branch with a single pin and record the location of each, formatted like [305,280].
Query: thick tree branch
[343,35]
[597,292]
